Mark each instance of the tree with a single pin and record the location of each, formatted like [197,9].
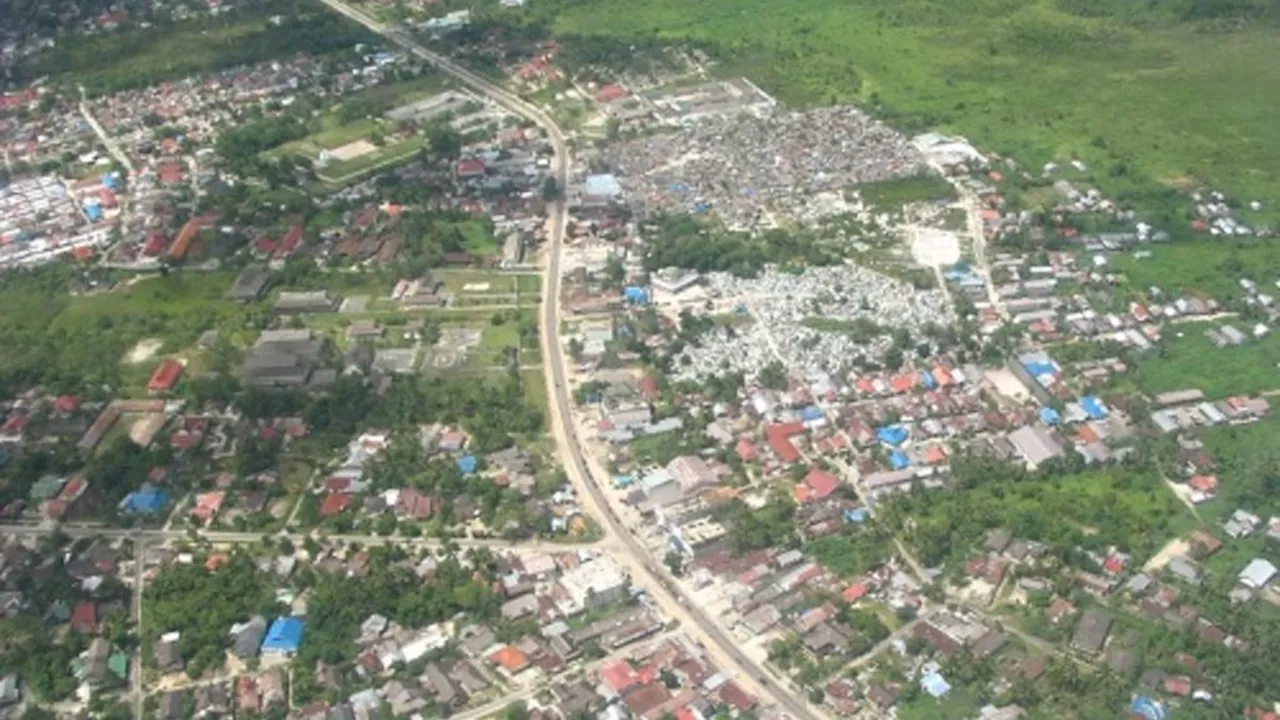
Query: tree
[550,189]
[674,561]
[773,376]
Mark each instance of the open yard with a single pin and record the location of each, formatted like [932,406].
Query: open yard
[1193,361]
[1139,91]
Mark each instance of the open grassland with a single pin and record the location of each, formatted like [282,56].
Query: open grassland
[1154,93]
[1193,361]
[1214,267]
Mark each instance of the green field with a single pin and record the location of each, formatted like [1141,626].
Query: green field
[1127,507]
[1193,361]
[78,343]
[1248,470]
[894,194]
[1213,266]
[1146,93]
[139,57]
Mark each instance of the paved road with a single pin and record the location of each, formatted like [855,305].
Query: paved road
[659,585]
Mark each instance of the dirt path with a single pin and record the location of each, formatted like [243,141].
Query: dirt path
[1174,548]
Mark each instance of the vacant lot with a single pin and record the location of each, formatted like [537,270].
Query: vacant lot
[1153,93]
[1193,361]
[1214,267]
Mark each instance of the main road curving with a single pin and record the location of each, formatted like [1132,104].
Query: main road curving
[635,556]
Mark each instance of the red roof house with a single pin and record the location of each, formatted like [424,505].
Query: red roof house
[334,504]
[817,485]
[165,376]
[84,617]
[779,439]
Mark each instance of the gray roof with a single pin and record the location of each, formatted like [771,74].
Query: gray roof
[248,637]
[1092,631]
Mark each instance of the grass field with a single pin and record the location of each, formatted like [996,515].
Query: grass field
[1210,266]
[1249,463]
[1193,361]
[1131,89]
[894,194]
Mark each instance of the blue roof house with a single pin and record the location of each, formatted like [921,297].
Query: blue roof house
[892,435]
[899,460]
[934,684]
[1095,407]
[147,500]
[636,295]
[467,464]
[810,413]
[284,636]
[1050,416]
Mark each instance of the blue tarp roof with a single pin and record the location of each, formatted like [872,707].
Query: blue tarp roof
[892,435]
[604,184]
[926,379]
[899,459]
[855,515]
[1050,416]
[467,464]
[623,481]
[1148,708]
[935,684]
[285,635]
[146,501]
[1038,368]
[109,180]
[1093,406]
[811,413]
[635,294]
[94,212]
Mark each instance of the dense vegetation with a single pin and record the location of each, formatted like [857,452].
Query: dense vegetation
[687,242]
[336,606]
[1157,93]
[1063,505]
[145,56]
[203,606]
[77,344]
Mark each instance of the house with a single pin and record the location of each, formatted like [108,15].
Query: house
[165,376]
[1092,631]
[817,485]
[84,618]
[334,504]
[510,659]
[284,636]
[247,637]
[10,690]
[167,654]
[415,504]
[1257,574]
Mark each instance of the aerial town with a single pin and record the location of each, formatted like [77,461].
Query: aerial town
[398,359]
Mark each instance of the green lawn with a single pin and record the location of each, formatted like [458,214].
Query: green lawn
[1130,89]
[1193,361]
[959,704]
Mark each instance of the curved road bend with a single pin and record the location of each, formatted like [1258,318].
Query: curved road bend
[723,648]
